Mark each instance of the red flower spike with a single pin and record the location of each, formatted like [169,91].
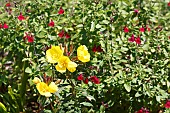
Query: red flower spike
[95,80]
[8,5]
[142,29]
[136,11]
[67,35]
[167,105]
[61,34]
[29,37]
[51,24]
[99,49]
[94,49]
[132,39]
[126,29]
[61,11]
[21,17]
[137,40]
[86,81]
[169,4]
[5,26]
[80,77]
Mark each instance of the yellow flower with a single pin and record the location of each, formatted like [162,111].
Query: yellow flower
[53,87]
[36,80]
[65,63]
[43,89]
[83,54]
[54,54]
[46,90]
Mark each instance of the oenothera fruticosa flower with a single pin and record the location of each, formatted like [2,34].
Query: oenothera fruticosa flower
[65,63]
[46,90]
[54,54]
[36,80]
[83,54]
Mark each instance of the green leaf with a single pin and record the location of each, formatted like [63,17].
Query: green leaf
[28,70]
[92,26]
[91,97]
[2,108]
[105,21]
[146,47]
[86,104]
[127,87]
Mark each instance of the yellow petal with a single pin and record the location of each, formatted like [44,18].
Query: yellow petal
[60,69]
[54,54]
[36,80]
[71,66]
[83,54]
[42,88]
[53,87]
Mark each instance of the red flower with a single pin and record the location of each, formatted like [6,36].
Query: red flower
[148,29]
[80,77]
[136,11]
[51,24]
[169,4]
[8,5]
[21,17]
[5,26]
[167,105]
[143,110]
[95,80]
[67,35]
[29,37]
[61,11]
[142,29]
[126,30]
[86,81]
[97,49]
[61,34]
[137,40]
[132,38]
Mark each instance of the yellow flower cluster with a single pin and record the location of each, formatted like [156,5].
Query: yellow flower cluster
[44,89]
[55,55]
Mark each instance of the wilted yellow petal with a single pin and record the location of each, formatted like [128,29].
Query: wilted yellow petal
[53,87]
[54,54]
[36,80]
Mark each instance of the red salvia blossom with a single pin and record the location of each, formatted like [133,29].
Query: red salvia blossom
[51,24]
[86,81]
[126,29]
[80,77]
[29,37]
[136,11]
[142,29]
[21,17]
[137,40]
[95,80]
[167,105]
[132,38]
[67,35]
[5,26]
[8,5]
[97,49]
[169,4]
[148,28]
[61,11]
[61,34]
[143,110]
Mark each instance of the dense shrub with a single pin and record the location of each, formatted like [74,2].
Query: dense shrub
[89,56]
